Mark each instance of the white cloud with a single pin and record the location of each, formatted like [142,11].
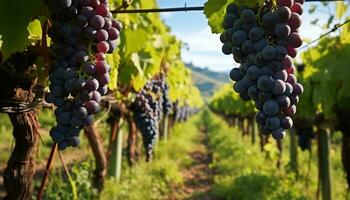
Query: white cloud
[215,62]
[205,50]
[201,41]
[166,15]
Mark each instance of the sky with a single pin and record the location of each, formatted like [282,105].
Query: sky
[204,48]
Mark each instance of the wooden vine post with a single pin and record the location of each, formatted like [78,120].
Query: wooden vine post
[253,127]
[323,140]
[165,127]
[293,151]
[116,147]
[132,140]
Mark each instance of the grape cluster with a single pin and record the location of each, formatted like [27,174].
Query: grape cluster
[264,41]
[148,110]
[82,31]
[183,113]
[165,96]
[305,136]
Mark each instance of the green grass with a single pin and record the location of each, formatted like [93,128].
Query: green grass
[243,172]
[157,179]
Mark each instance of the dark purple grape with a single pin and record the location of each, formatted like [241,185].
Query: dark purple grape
[92,107]
[279,134]
[235,74]
[92,84]
[279,87]
[286,122]
[97,22]
[104,79]
[273,123]
[283,101]
[271,108]
[96,96]
[101,35]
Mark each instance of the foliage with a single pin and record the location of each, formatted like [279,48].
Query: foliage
[227,101]
[81,173]
[241,172]
[325,76]
[14,35]
[157,179]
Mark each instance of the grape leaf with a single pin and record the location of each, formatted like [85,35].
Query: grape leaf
[34,29]
[14,19]
[214,10]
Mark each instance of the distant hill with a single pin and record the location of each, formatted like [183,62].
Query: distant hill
[206,80]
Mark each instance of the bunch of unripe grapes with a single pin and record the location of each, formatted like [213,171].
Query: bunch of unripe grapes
[82,32]
[264,40]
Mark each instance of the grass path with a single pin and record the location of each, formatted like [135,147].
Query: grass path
[199,176]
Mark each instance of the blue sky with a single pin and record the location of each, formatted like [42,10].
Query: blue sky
[205,47]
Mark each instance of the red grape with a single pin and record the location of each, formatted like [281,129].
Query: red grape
[103,47]
[297,8]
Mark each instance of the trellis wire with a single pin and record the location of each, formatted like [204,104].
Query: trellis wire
[185,8]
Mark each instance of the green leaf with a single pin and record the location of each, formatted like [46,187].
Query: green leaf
[214,10]
[34,29]
[341,9]
[135,40]
[113,60]
[14,19]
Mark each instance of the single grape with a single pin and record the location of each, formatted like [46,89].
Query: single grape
[89,68]
[102,10]
[104,79]
[253,73]
[283,13]
[273,123]
[265,83]
[283,101]
[255,34]
[292,79]
[239,37]
[92,107]
[294,40]
[97,22]
[235,74]
[271,108]
[279,134]
[253,92]
[279,87]
[286,122]
[103,47]
[92,84]
[294,21]
[287,3]
[113,33]
[297,8]
[232,8]
[281,75]
[239,87]
[282,30]
[269,52]
[101,35]
[298,89]
[290,111]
